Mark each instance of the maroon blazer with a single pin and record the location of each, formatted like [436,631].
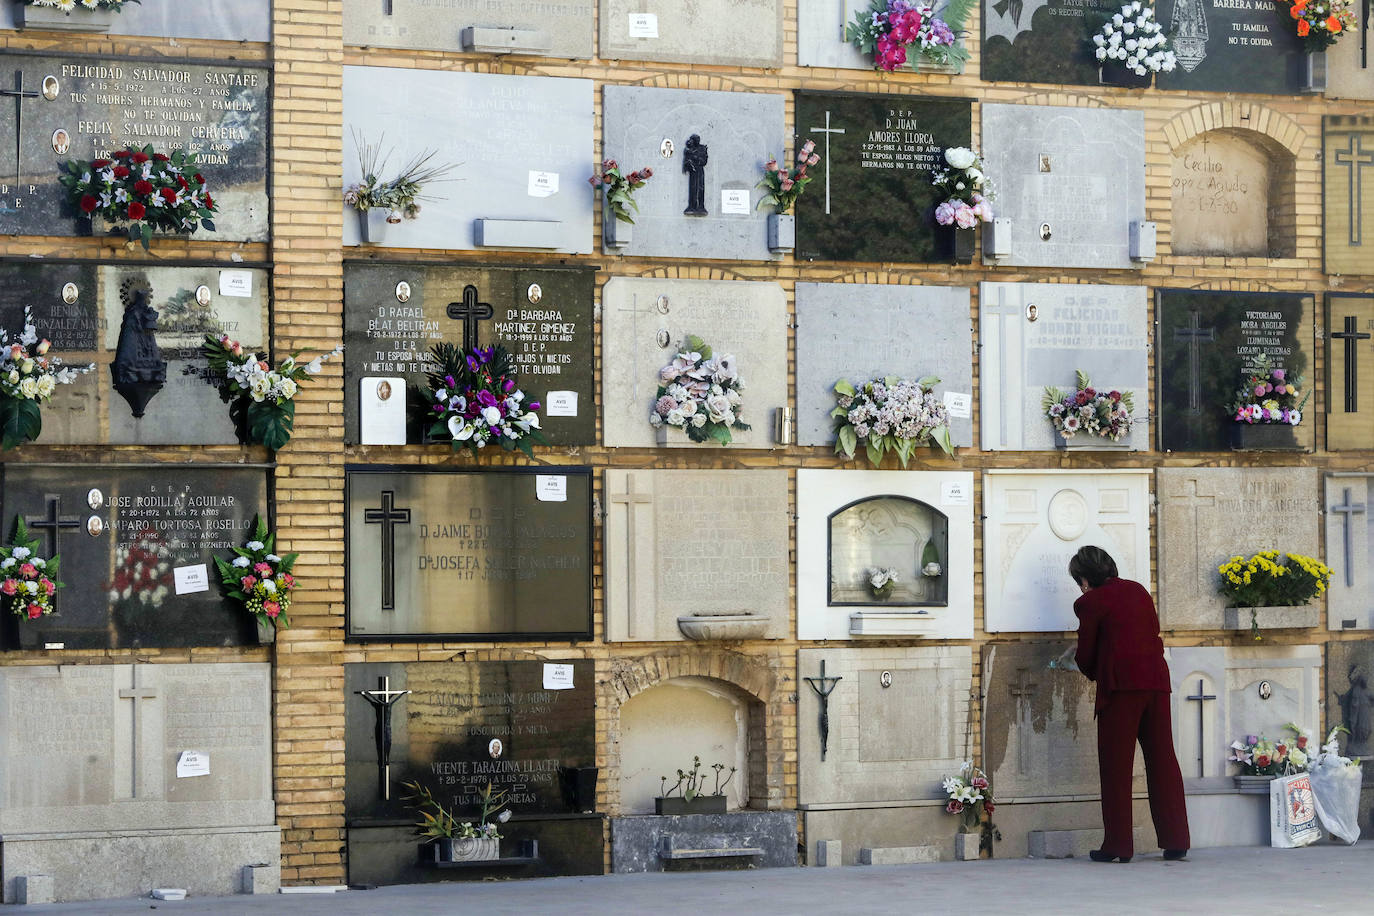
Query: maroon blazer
[1118,640]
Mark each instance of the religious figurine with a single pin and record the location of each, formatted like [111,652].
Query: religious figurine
[138,369]
[694,158]
[1356,706]
[1189,27]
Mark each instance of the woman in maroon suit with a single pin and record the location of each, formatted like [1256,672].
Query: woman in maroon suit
[1119,648]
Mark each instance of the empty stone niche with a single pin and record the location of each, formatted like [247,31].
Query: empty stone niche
[849,522]
[1233,196]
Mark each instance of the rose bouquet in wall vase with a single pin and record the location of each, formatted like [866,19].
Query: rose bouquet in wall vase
[28,378]
[474,401]
[699,396]
[901,33]
[1320,23]
[890,415]
[143,191]
[68,15]
[382,200]
[618,200]
[1270,587]
[1266,408]
[28,582]
[1131,47]
[261,398]
[782,187]
[967,195]
[1088,416]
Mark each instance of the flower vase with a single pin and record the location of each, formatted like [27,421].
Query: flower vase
[372,225]
[1090,443]
[615,233]
[883,593]
[965,244]
[52,19]
[698,804]
[1266,437]
[967,846]
[1117,75]
[1314,72]
[782,232]
[267,633]
[467,849]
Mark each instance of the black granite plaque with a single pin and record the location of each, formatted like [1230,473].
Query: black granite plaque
[1206,341]
[1231,46]
[77,107]
[1043,41]
[122,532]
[481,554]
[395,312]
[871,198]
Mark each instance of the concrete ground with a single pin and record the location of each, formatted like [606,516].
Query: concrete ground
[1322,879]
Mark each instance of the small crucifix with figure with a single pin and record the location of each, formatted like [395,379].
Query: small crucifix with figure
[382,699]
[823,686]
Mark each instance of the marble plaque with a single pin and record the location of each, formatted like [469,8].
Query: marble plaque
[741,33]
[1036,521]
[654,589]
[1348,193]
[223,20]
[437,25]
[1234,47]
[1047,162]
[499,130]
[1208,515]
[821,37]
[828,349]
[1042,41]
[394,314]
[871,198]
[1220,198]
[1350,63]
[1349,371]
[650,127]
[644,320]
[1208,341]
[99,104]
[1350,696]
[1349,508]
[850,520]
[898,723]
[1034,335]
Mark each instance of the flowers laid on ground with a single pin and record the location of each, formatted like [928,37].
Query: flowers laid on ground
[1264,581]
[890,415]
[970,797]
[27,581]
[28,378]
[966,190]
[1269,396]
[151,191]
[1259,756]
[892,31]
[262,396]
[1088,410]
[1320,23]
[699,393]
[66,6]
[438,822]
[1136,40]
[259,578]
[619,188]
[474,400]
[881,581]
[398,195]
[784,185]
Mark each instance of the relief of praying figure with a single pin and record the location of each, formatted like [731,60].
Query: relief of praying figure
[1357,704]
[694,158]
[1189,27]
[138,369]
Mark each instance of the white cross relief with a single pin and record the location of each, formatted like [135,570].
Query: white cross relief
[1354,159]
[1348,510]
[136,693]
[1196,501]
[827,130]
[631,499]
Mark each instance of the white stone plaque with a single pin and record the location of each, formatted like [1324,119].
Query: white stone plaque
[382,410]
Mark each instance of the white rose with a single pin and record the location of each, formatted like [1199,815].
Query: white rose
[699,420]
[287,388]
[491,416]
[718,406]
[46,385]
[675,417]
[28,387]
[960,157]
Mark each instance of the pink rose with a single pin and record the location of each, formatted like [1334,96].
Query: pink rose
[944,214]
[271,608]
[965,218]
[262,569]
[48,587]
[28,570]
[9,586]
[247,582]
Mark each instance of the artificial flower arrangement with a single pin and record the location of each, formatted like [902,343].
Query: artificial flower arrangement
[890,415]
[66,6]
[151,191]
[889,29]
[29,582]
[966,189]
[1263,581]
[1331,750]
[1269,396]
[619,188]
[699,393]
[1088,410]
[28,378]
[398,195]
[1320,23]
[691,783]
[474,400]
[261,397]
[142,571]
[1259,756]
[1135,39]
[783,185]
[259,578]
[970,797]
[439,823]
[881,581]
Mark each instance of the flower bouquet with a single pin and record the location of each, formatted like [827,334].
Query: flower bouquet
[966,190]
[396,196]
[28,377]
[1089,411]
[141,582]
[474,400]
[881,582]
[618,189]
[261,397]
[784,186]
[259,578]
[66,6]
[1263,581]
[970,797]
[456,840]
[1320,23]
[1134,39]
[150,191]
[1269,396]
[889,29]
[890,415]
[1258,756]
[29,582]
[699,393]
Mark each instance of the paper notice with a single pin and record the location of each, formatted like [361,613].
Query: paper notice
[191,579]
[237,283]
[193,763]
[558,677]
[643,25]
[543,184]
[955,493]
[734,201]
[551,488]
[560,404]
[959,404]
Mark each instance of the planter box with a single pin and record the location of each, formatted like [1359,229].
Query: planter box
[1300,617]
[702,804]
[966,846]
[1117,75]
[470,849]
[1268,437]
[782,232]
[674,436]
[1088,443]
[1252,785]
[54,20]
[731,627]
[615,233]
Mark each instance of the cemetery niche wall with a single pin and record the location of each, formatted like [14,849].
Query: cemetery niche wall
[1233,196]
[524,729]
[561,29]
[1349,698]
[1348,194]
[1349,371]
[821,42]
[1349,511]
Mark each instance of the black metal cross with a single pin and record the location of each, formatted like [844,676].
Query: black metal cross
[1349,510]
[382,699]
[1193,334]
[1201,698]
[19,96]
[470,311]
[1355,159]
[823,686]
[53,523]
[388,516]
[1352,349]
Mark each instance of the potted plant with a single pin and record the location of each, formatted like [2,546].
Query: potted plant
[260,580]
[882,580]
[381,201]
[1269,587]
[261,398]
[28,378]
[1266,408]
[698,396]
[68,15]
[27,581]
[142,189]
[690,788]
[1320,23]
[617,200]
[1131,47]
[901,33]
[451,840]
[970,798]
[968,195]
[1088,417]
[890,415]
[1261,759]
[783,187]
[474,401]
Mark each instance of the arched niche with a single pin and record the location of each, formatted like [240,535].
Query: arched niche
[1232,195]
[896,532]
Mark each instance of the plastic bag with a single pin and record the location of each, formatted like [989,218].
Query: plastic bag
[1336,791]
[1292,812]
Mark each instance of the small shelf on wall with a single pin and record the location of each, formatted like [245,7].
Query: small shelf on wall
[528,855]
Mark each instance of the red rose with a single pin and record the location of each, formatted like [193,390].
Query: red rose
[137,210]
[181,183]
[121,171]
[139,157]
[143,187]
[200,179]
[121,154]
[35,611]
[989,807]
[1302,742]
[88,204]
[209,202]
[160,157]
[955,806]
[1262,760]
[1280,750]
[168,194]
[99,163]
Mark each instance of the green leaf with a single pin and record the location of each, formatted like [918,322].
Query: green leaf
[943,439]
[208,225]
[720,432]
[845,388]
[874,450]
[20,421]
[929,381]
[271,424]
[846,440]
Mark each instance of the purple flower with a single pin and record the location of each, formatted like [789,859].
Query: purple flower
[508,386]
[472,363]
[1278,374]
[1252,739]
[533,405]
[486,399]
[1259,391]
[448,380]
[944,214]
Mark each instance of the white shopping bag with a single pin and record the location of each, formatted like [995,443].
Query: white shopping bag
[1336,791]
[1292,812]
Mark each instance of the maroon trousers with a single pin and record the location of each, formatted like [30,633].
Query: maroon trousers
[1128,717]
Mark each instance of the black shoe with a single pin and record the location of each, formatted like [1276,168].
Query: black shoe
[1098,855]
[1173,855]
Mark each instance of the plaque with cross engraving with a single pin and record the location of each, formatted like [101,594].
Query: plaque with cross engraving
[500,554]
[1207,342]
[395,312]
[1349,505]
[1348,194]
[122,534]
[1349,371]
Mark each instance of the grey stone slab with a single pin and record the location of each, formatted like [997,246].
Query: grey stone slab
[899,855]
[740,130]
[635,840]
[438,24]
[1249,47]
[1207,515]
[643,320]
[699,33]
[829,854]
[223,20]
[510,127]
[1099,330]
[1350,698]
[1349,510]
[1079,170]
[912,332]
[1350,67]
[33,889]
[1199,703]
[1068,844]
